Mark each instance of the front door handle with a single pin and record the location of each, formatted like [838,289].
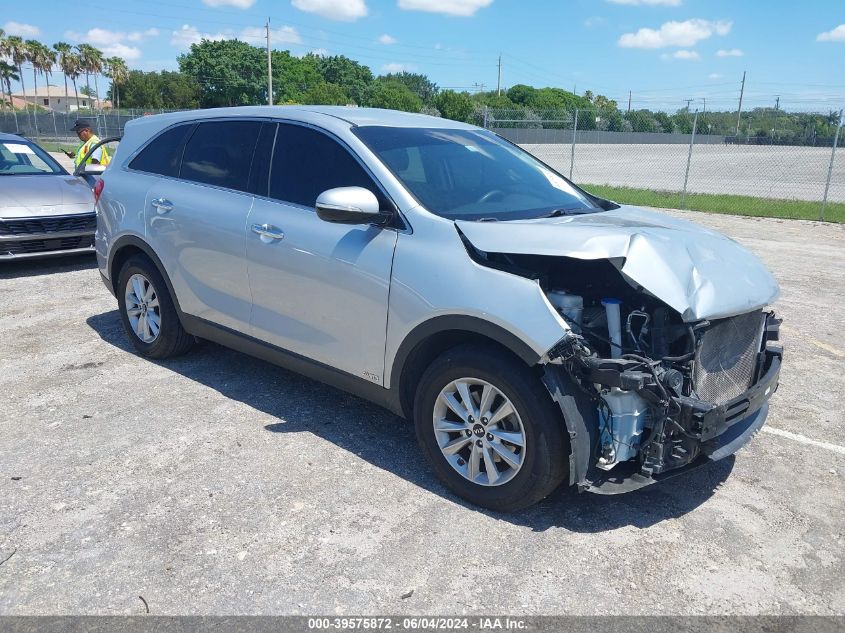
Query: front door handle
[268,230]
[162,205]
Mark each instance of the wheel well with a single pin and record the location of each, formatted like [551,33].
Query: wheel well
[424,352]
[120,257]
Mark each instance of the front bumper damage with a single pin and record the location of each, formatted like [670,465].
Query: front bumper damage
[685,432]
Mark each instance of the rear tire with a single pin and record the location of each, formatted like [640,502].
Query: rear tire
[481,460]
[147,311]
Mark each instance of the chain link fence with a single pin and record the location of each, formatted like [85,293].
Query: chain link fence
[52,129]
[694,170]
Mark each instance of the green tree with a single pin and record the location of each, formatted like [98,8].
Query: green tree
[354,78]
[393,96]
[170,90]
[8,74]
[417,83]
[325,94]
[294,77]
[229,72]
[454,105]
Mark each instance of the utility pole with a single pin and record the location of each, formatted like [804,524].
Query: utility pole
[704,113]
[269,68]
[739,111]
[777,102]
[499,80]
[688,102]
[629,102]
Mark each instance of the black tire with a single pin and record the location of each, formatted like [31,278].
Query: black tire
[546,461]
[172,339]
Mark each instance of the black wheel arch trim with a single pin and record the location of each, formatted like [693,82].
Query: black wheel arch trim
[445,323]
[133,240]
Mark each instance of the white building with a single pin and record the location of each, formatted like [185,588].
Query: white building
[55,98]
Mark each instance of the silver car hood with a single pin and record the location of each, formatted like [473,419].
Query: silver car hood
[700,273]
[44,195]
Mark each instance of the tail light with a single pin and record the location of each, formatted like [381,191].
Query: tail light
[98,189]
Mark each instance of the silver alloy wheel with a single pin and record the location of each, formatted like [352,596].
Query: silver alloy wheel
[142,308]
[479,431]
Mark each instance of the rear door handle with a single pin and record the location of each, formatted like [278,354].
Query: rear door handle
[268,230]
[163,205]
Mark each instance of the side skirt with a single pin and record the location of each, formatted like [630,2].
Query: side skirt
[320,372]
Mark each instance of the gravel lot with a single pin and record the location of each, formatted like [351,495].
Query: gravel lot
[219,484]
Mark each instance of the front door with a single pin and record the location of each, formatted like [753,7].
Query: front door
[319,289]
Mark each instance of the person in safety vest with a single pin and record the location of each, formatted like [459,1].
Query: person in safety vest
[84,129]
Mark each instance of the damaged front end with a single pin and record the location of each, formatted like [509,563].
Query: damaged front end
[658,415]
[668,360]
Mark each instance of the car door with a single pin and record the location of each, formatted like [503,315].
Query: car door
[319,289]
[196,222]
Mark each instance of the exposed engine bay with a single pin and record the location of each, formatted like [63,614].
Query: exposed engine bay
[665,392]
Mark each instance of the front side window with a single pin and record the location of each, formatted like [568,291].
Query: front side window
[220,153]
[307,162]
[24,158]
[163,154]
[472,174]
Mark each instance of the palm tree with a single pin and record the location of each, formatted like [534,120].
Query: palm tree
[8,74]
[16,50]
[92,62]
[117,71]
[72,67]
[63,52]
[3,54]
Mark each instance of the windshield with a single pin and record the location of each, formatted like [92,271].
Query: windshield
[473,174]
[24,158]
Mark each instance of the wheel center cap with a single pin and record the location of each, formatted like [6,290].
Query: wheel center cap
[478,430]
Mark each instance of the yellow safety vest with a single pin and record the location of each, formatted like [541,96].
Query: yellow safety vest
[82,150]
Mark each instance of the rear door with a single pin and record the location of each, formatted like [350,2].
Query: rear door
[319,289]
[196,221]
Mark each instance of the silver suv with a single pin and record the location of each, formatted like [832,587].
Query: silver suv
[536,334]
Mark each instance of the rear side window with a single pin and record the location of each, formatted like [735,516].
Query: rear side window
[163,154]
[220,153]
[307,162]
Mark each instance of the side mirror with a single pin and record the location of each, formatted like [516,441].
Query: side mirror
[93,170]
[349,205]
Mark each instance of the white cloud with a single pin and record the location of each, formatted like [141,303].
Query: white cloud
[463,8]
[836,35]
[20,29]
[320,52]
[387,39]
[681,34]
[594,21]
[340,10]
[686,55]
[650,3]
[188,34]
[239,4]
[714,76]
[258,35]
[398,68]
[730,52]
[129,53]
[103,37]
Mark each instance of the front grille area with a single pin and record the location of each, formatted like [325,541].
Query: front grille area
[47,225]
[725,361]
[26,247]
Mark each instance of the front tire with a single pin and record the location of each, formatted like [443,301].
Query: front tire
[490,429]
[147,311]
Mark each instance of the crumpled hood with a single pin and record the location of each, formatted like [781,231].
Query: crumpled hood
[700,273]
[45,195]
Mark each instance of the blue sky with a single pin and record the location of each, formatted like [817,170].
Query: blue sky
[664,51]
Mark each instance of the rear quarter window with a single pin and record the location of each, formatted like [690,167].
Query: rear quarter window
[164,153]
